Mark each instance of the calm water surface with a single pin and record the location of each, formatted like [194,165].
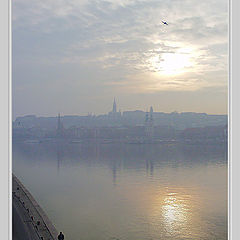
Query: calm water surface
[128,191]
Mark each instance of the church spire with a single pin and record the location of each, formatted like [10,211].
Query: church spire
[60,127]
[114,106]
[59,122]
[151,113]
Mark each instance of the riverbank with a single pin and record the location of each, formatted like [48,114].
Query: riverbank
[32,222]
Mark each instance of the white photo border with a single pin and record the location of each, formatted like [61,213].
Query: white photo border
[234,121]
[5,120]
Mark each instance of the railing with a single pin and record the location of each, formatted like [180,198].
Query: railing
[43,226]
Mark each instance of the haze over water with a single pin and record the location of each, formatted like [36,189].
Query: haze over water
[128,191]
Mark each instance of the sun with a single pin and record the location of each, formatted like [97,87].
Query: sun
[174,63]
[171,63]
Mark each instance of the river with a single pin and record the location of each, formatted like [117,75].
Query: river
[128,191]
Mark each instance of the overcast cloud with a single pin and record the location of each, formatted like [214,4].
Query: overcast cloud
[74,56]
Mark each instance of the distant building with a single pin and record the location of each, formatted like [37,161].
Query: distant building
[205,134]
[149,126]
[114,106]
[114,114]
[60,128]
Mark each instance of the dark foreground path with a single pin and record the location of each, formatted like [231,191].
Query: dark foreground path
[23,228]
[30,222]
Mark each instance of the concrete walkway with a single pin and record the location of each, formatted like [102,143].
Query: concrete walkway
[29,219]
[23,228]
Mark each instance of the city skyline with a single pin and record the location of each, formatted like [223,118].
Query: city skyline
[115,110]
[73,57]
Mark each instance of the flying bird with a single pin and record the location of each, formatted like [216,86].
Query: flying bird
[165,23]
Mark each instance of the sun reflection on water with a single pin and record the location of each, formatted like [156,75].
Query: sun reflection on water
[174,210]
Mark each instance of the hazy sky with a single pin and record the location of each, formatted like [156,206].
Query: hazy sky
[74,56]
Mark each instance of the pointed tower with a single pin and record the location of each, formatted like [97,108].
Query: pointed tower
[146,117]
[59,123]
[149,128]
[151,114]
[114,106]
[59,127]
[114,116]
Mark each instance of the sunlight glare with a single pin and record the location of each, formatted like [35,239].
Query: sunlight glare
[171,63]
